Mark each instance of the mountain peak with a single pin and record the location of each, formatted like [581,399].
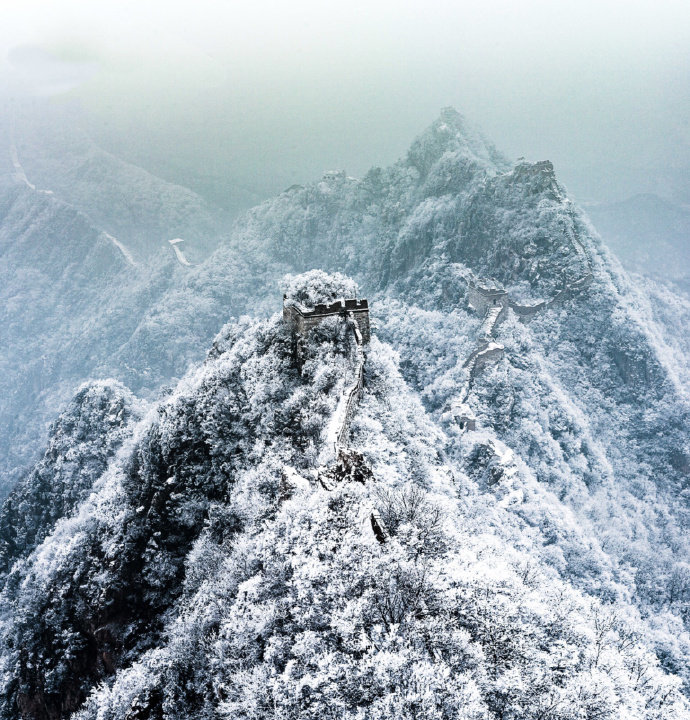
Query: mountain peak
[450,116]
[451,133]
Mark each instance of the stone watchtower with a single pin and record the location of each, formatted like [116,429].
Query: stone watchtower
[302,319]
[481,297]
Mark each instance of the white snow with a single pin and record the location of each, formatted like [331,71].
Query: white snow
[337,425]
[124,250]
[490,319]
[180,255]
[19,173]
[294,479]
[489,348]
[336,422]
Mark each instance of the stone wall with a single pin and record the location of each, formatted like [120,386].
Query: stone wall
[303,319]
[481,299]
[353,396]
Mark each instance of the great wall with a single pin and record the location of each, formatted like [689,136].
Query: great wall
[354,393]
[302,319]
[337,461]
[336,458]
[490,301]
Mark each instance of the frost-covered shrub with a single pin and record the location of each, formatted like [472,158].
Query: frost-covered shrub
[316,286]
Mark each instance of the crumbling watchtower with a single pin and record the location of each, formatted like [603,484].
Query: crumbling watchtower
[302,319]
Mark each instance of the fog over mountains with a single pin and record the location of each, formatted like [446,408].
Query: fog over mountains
[649,234]
[503,533]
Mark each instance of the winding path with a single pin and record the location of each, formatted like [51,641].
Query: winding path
[20,177]
[121,247]
[181,257]
[19,174]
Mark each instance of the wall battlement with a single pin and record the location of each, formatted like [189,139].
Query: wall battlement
[302,318]
[338,306]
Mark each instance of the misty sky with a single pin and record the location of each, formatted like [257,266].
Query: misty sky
[279,91]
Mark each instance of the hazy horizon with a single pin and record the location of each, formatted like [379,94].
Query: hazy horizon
[276,93]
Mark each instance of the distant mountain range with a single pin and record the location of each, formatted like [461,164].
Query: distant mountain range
[650,235]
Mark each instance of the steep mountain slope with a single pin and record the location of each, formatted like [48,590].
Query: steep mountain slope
[63,313]
[84,253]
[56,154]
[214,575]
[669,306]
[82,442]
[453,196]
[73,307]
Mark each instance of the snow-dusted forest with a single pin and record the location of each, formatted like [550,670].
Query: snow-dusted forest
[502,534]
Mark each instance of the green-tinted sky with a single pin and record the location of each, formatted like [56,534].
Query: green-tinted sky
[279,91]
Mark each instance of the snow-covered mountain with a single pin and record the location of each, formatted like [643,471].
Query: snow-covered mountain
[504,535]
[85,253]
[50,147]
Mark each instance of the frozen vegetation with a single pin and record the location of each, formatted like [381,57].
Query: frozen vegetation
[196,556]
